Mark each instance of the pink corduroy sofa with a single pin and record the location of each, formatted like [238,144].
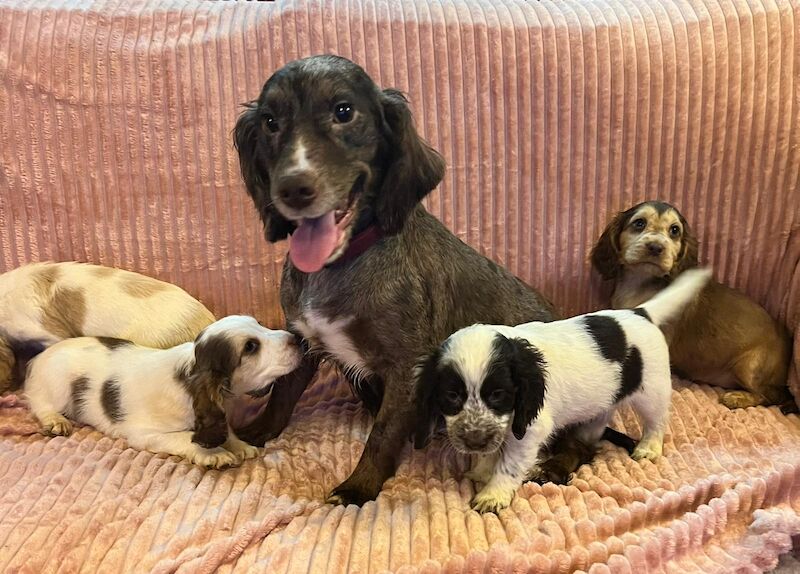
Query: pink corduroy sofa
[115,148]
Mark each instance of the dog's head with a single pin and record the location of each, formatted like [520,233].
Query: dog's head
[652,238]
[324,151]
[235,356]
[481,383]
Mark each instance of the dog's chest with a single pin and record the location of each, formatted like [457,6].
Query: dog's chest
[332,337]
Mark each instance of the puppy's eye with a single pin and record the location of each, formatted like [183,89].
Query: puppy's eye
[498,395]
[251,346]
[343,112]
[452,396]
[674,231]
[638,224]
[270,123]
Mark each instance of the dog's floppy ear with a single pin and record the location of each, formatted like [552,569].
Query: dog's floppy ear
[255,176]
[605,254]
[428,413]
[414,168]
[210,377]
[528,373]
[687,256]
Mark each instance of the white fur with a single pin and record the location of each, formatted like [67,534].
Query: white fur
[330,335]
[165,318]
[581,385]
[157,409]
[301,161]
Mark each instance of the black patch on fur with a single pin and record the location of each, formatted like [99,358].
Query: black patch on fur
[642,313]
[608,336]
[24,352]
[631,378]
[112,343]
[619,439]
[80,386]
[529,374]
[111,401]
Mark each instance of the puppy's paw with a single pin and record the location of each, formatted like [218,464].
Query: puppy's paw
[354,491]
[739,399]
[492,499]
[241,449]
[215,458]
[645,452]
[56,425]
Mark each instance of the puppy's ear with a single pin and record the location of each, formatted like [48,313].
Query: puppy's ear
[428,412]
[414,168]
[255,176]
[605,254]
[209,379]
[687,256]
[528,373]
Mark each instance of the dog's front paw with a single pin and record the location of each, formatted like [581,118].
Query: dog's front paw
[241,449]
[492,499]
[352,492]
[56,425]
[642,452]
[215,458]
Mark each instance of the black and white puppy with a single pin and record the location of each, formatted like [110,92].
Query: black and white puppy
[162,400]
[503,391]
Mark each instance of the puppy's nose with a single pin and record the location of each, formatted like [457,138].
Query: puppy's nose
[474,439]
[655,249]
[297,191]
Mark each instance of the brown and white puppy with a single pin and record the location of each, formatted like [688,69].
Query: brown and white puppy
[43,303]
[373,281]
[163,400]
[723,338]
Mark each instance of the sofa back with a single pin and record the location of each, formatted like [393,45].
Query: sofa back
[116,147]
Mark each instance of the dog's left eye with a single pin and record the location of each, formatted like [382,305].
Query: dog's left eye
[271,123]
[638,224]
[674,231]
[251,346]
[497,395]
[343,112]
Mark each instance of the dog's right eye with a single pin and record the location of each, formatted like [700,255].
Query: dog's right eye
[270,123]
[638,224]
[452,396]
[343,112]
[251,346]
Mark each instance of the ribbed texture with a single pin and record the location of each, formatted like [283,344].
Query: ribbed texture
[88,503]
[115,148]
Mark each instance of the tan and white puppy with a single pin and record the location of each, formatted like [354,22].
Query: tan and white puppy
[162,400]
[724,338]
[43,303]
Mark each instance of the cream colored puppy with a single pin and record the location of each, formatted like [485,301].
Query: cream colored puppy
[43,303]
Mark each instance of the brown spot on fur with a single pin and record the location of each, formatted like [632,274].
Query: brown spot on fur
[141,286]
[7,361]
[63,315]
[102,272]
[44,280]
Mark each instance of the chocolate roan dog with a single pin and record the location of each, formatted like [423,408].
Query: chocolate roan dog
[372,281]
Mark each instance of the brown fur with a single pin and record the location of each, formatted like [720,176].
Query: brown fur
[723,338]
[7,363]
[141,287]
[102,272]
[65,312]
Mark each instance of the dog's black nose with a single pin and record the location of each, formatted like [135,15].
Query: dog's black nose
[296,191]
[474,439]
[655,249]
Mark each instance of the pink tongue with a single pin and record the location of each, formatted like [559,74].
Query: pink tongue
[313,242]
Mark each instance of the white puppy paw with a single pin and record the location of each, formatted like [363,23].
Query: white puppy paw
[241,449]
[56,425]
[642,451]
[214,458]
[492,499]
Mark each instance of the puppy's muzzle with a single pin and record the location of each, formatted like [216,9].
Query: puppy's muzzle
[476,440]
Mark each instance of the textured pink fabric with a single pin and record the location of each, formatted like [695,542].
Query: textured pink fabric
[115,148]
